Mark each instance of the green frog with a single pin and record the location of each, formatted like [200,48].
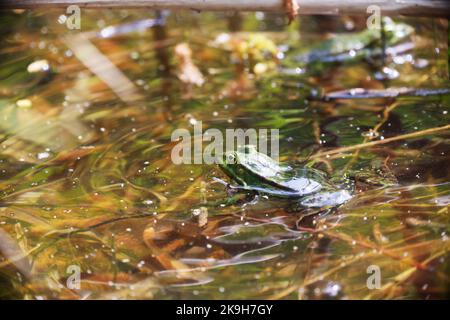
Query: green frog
[311,188]
[358,45]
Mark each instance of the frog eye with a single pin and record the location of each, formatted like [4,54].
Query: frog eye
[231,158]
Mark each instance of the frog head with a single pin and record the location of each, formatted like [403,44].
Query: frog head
[374,179]
[248,166]
[377,176]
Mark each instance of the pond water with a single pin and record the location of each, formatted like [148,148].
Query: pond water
[87,182]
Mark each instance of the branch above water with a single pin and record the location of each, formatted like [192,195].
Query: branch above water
[436,8]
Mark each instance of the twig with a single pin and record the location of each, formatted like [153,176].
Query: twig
[437,8]
[384,141]
[375,129]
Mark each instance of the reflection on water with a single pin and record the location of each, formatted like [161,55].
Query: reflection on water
[87,179]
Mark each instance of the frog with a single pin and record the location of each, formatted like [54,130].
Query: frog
[254,171]
[358,45]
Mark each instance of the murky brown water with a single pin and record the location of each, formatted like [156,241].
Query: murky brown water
[87,182]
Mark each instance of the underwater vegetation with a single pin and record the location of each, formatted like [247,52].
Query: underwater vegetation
[87,183]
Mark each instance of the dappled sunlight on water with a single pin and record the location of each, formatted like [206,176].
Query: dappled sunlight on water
[86,177]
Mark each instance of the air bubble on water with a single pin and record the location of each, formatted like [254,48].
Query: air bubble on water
[38,66]
[259,15]
[62,19]
[43,155]
[387,73]
[134,55]
[24,103]
[420,63]
[399,60]
[333,289]
[280,55]
[42,45]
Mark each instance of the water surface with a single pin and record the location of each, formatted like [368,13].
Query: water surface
[86,178]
